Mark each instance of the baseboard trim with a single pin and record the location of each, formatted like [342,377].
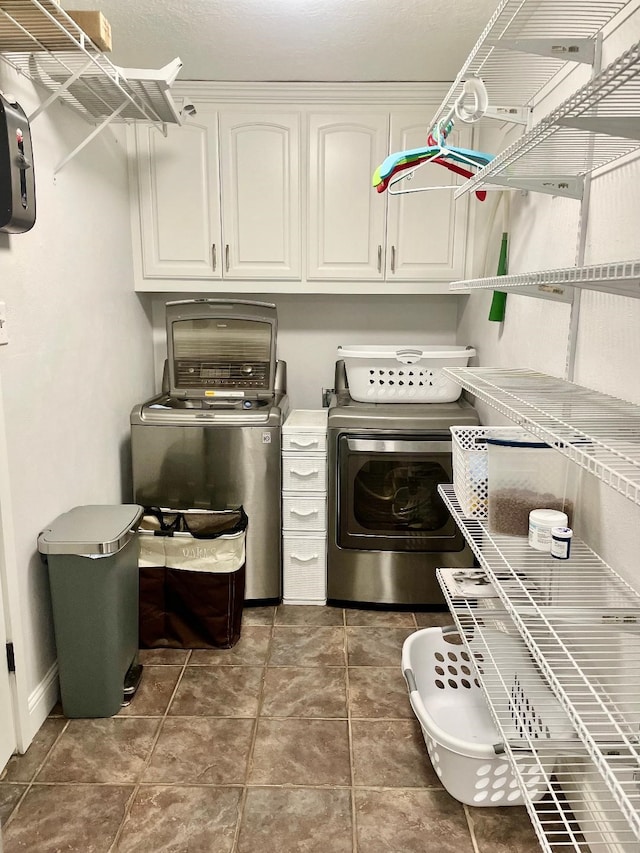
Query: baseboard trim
[42,699]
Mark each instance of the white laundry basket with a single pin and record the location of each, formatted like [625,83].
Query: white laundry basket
[403,373]
[463,743]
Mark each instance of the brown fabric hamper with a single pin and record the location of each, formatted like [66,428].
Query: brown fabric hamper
[192,577]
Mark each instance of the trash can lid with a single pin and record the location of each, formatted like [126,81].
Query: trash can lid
[91,530]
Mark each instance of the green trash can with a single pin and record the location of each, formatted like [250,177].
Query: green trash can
[92,555]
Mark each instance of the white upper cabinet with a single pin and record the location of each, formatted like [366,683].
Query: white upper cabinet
[260,176]
[346,215]
[219,197]
[426,231]
[357,233]
[272,183]
[177,215]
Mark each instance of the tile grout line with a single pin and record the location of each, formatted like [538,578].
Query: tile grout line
[136,787]
[254,737]
[474,842]
[354,829]
[29,785]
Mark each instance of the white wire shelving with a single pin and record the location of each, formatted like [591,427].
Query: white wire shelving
[593,127]
[40,41]
[622,277]
[599,432]
[580,622]
[519,699]
[525,43]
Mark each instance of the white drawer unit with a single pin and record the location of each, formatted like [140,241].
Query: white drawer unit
[304,507]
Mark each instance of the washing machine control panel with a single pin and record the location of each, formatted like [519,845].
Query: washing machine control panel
[238,376]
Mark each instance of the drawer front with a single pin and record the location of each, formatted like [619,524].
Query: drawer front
[305,442]
[304,513]
[302,473]
[304,569]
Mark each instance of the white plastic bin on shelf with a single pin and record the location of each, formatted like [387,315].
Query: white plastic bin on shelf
[462,741]
[471,465]
[403,373]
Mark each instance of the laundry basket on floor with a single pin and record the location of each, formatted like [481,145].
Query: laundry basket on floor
[463,743]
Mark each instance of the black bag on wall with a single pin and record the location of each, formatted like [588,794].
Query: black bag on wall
[17,181]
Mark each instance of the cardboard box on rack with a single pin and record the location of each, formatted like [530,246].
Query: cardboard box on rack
[95,25]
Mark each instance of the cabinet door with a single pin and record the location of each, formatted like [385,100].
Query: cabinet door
[426,232]
[346,214]
[179,194]
[260,175]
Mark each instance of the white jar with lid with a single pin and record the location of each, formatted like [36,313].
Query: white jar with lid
[540,523]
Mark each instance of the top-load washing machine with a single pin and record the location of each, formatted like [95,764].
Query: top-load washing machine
[212,438]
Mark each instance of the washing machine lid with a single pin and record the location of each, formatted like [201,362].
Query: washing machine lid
[164,411]
[221,348]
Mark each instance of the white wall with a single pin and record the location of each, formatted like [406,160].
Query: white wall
[79,355]
[311,327]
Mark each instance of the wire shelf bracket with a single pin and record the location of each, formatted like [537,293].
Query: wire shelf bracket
[575,50]
[569,186]
[514,115]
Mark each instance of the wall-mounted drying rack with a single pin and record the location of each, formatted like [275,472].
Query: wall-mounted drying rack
[596,125]
[524,45]
[39,40]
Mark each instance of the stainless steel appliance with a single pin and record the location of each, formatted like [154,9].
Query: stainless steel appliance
[388,528]
[212,439]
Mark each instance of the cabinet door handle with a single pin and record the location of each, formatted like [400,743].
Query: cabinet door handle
[226,257]
[393,259]
[214,256]
[379,258]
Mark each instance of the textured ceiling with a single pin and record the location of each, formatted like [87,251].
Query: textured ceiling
[296,40]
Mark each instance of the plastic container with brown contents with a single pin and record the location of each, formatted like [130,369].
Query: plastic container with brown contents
[524,475]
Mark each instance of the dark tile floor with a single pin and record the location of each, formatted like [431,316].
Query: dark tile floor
[300,739]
